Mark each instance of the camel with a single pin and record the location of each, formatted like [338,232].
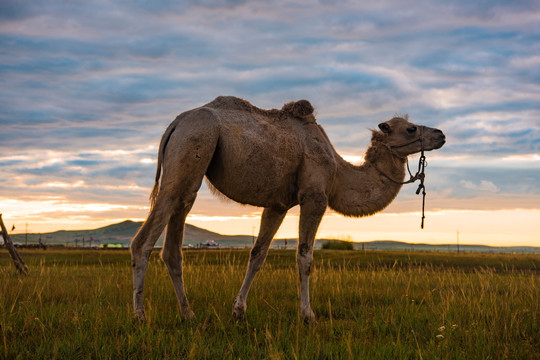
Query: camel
[274,159]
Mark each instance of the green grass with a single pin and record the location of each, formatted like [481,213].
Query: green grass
[76,304]
[337,245]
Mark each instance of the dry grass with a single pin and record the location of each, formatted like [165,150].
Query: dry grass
[77,304]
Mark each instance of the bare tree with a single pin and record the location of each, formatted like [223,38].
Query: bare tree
[17,260]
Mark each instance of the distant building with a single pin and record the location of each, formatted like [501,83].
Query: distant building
[210,244]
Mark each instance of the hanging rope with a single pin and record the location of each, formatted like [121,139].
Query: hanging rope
[420,173]
[421,187]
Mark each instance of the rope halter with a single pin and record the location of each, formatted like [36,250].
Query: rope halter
[420,173]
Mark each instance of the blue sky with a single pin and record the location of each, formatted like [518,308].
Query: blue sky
[87,88]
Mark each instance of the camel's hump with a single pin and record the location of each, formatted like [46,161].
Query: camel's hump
[301,109]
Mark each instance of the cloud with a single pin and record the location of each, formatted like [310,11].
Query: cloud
[89,87]
[484,185]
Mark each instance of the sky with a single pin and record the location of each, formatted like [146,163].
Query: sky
[88,87]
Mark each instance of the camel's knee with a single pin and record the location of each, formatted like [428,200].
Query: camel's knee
[136,250]
[255,252]
[304,259]
[304,268]
[140,254]
[136,245]
[257,257]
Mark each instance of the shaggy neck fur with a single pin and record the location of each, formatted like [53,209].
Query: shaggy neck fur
[362,190]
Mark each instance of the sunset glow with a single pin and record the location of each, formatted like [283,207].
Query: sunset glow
[88,89]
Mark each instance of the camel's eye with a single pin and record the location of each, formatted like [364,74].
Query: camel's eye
[411,130]
[385,128]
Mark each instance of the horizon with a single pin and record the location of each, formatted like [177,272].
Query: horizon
[88,90]
[318,238]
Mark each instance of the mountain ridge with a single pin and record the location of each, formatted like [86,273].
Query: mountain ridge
[123,232]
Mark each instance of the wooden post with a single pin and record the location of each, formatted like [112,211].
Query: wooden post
[17,260]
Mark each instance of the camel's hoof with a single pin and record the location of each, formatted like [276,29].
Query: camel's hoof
[238,314]
[308,316]
[238,311]
[188,315]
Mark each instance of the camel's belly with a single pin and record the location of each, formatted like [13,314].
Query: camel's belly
[260,194]
[257,170]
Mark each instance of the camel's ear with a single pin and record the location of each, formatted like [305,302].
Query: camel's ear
[385,128]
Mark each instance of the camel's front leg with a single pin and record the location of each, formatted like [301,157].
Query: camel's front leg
[312,208]
[270,221]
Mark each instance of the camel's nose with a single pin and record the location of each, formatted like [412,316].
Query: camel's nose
[442,137]
[440,133]
[439,138]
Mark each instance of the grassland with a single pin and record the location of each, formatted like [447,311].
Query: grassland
[76,304]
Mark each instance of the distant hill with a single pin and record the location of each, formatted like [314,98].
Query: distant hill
[123,232]
[404,246]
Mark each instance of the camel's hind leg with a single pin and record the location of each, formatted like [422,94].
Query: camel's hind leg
[172,256]
[186,158]
[171,207]
[141,248]
[270,221]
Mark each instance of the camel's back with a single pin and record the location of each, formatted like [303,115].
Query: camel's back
[234,104]
[260,152]
[247,131]
[231,108]
[245,127]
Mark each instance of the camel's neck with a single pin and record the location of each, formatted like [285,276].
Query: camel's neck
[363,190]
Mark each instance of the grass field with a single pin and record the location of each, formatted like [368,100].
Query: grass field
[76,304]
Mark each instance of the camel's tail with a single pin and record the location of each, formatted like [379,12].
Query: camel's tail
[155,189]
[161,152]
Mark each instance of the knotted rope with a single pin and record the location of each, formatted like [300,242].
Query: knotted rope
[422,163]
[420,174]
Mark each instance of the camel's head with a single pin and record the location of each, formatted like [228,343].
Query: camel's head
[405,138]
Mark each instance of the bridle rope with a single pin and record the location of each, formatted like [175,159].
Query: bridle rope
[420,174]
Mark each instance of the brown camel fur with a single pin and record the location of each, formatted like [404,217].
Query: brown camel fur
[274,159]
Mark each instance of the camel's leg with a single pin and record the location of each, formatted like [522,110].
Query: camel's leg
[172,256]
[270,221]
[186,159]
[312,208]
[141,248]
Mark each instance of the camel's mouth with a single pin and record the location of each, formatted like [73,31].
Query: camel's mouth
[438,143]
